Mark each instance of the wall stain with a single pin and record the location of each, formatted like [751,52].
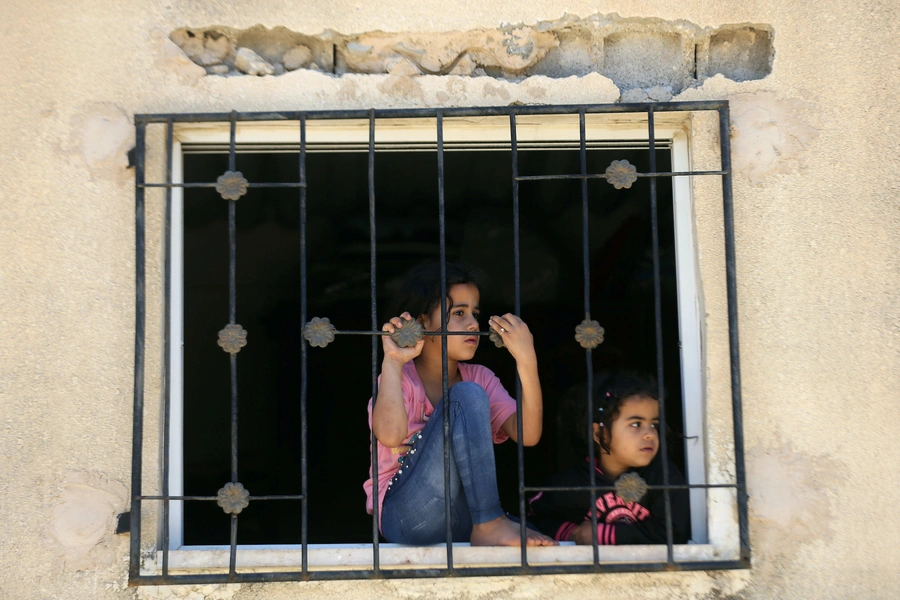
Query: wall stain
[101,135]
[82,520]
[790,507]
[769,134]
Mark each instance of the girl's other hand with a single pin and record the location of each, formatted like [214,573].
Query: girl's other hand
[393,352]
[516,336]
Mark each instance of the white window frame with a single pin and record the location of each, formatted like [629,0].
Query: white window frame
[706,507]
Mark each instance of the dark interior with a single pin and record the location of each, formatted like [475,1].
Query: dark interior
[479,230]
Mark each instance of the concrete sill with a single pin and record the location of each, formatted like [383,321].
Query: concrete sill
[327,556]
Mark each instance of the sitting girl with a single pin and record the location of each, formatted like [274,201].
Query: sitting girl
[626,437]
[408,418]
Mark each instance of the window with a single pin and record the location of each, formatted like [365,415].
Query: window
[336,200]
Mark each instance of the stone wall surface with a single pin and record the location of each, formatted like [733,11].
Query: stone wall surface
[817,226]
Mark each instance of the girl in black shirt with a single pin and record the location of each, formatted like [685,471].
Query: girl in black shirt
[625,428]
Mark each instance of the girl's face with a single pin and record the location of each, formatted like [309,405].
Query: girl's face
[463,316]
[634,439]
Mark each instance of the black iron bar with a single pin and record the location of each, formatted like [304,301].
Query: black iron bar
[570,488]
[286,576]
[232,144]
[517,310]
[602,176]
[167,348]
[588,355]
[462,111]
[251,498]
[137,435]
[519,178]
[434,333]
[232,557]
[232,309]
[445,377]
[657,309]
[212,185]
[376,518]
[612,488]
[304,372]
[733,337]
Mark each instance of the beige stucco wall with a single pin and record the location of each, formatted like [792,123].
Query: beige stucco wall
[817,225]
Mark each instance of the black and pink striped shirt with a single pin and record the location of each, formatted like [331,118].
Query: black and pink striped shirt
[618,522]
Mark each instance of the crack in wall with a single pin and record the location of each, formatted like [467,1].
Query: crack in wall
[647,58]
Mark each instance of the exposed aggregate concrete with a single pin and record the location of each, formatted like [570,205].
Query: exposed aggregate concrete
[652,57]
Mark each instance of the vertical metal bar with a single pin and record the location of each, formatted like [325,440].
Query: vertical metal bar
[376,520]
[232,147]
[657,310]
[167,349]
[234,391]
[137,436]
[304,515]
[232,558]
[733,338]
[445,403]
[586,260]
[232,309]
[517,310]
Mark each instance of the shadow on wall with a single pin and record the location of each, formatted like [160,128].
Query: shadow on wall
[650,58]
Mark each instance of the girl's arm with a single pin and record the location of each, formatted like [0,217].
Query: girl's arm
[653,529]
[558,514]
[520,343]
[389,420]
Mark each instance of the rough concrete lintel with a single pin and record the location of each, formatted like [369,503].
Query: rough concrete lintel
[636,53]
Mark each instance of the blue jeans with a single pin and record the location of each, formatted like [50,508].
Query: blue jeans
[413,510]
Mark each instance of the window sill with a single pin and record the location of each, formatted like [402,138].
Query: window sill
[359,556]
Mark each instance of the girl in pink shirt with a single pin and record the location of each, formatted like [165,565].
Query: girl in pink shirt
[408,420]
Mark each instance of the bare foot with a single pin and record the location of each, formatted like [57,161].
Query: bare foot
[503,532]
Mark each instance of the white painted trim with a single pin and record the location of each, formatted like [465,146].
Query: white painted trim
[669,126]
[176,355]
[689,335]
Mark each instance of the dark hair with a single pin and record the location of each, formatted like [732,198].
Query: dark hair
[610,390]
[420,291]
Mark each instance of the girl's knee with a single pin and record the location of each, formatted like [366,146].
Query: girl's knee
[469,392]
[468,396]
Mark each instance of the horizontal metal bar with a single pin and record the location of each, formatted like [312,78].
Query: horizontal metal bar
[520,178]
[212,185]
[601,176]
[458,146]
[612,488]
[475,111]
[276,497]
[599,488]
[364,332]
[325,575]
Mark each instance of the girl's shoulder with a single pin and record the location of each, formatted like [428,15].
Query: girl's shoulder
[653,473]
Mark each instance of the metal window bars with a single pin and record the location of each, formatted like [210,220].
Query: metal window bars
[319,332]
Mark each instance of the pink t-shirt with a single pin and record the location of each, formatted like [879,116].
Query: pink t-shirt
[419,408]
